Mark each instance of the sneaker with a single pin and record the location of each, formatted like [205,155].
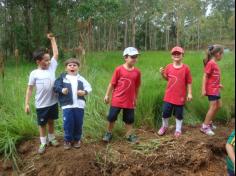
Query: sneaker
[77,144]
[177,134]
[162,131]
[107,137]
[54,143]
[42,148]
[67,145]
[133,139]
[207,130]
[213,127]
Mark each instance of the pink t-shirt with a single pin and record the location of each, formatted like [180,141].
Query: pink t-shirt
[126,84]
[213,78]
[176,89]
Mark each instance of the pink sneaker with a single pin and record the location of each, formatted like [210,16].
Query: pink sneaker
[162,131]
[207,130]
[177,134]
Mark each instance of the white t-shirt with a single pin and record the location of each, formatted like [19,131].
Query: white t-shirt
[43,80]
[77,103]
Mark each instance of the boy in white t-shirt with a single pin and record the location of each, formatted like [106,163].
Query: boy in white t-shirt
[72,88]
[46,101]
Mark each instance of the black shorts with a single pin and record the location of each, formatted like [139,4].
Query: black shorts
[44,114]
[213,97]
[177,110]
[128,115]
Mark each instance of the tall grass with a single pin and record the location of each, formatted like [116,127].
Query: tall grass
[16,126]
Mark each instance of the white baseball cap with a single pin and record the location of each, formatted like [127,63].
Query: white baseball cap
[130,51]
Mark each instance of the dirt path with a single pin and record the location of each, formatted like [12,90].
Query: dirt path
[192,154]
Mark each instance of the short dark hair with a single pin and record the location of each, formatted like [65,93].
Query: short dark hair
[72,60]
[39,53]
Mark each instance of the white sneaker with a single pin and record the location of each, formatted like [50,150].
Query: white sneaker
[207,130]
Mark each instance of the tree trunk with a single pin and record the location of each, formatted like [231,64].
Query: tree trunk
[126,33]
[145,35]
[28,28]
[133,24]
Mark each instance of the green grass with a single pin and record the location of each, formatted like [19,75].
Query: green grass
[16,126]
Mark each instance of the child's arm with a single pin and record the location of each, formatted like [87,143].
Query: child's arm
[189,96]
[86,90]
[54,45]
[230,152]
[108,93]
[162,71]
[204,84]
[27,98]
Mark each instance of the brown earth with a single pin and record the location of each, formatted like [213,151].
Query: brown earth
[191,154]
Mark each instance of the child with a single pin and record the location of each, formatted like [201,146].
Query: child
[230,149]
[43,79]
[72,88]
[179,82]
[124,87]
[211,86]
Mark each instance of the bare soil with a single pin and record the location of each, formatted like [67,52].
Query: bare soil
[192,154]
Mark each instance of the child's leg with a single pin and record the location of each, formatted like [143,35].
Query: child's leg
[110,126]
[128,118]
[78,119]
[166,114]
[214,107]
[112,117]
[42,133]
[178,113]
[68,124]
[50,126]
[129,129]
[52,115]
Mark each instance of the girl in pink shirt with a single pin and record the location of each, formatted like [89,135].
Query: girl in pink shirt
[211,86]
[178,90]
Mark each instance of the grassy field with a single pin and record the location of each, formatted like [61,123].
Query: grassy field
[15,125]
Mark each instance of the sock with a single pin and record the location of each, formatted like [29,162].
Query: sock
[178,125]
[43,140]
[204,125]
[165,122]
[51,137]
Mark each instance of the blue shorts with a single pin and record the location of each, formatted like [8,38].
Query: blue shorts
[44,114]
[177,110]
[213,97]
[128,115]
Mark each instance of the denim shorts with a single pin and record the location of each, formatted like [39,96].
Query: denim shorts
[44,114]
[169,108]
[128,115]
[213,97]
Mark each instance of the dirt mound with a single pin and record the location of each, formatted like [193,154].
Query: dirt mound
[191,154]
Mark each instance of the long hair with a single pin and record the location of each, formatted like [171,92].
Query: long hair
[211,52]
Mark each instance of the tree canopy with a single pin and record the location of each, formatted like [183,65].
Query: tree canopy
[115,24]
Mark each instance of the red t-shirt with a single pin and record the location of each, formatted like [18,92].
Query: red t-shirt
[126,84]
[176,89]
[213,78]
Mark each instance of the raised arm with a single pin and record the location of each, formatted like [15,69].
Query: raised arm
[53,45]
